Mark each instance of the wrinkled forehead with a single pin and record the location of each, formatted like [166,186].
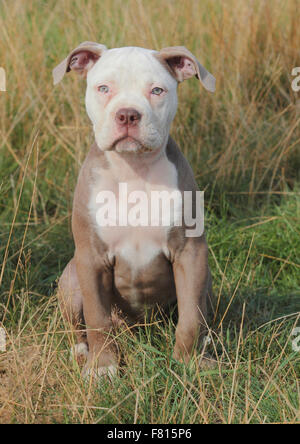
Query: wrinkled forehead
[131,64]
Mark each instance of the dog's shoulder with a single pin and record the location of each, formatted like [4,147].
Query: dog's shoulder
[186,180]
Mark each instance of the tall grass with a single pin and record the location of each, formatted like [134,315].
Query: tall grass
[243,143]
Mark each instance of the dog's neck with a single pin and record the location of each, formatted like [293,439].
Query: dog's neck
[126,166]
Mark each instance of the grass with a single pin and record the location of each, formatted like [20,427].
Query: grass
[243,143]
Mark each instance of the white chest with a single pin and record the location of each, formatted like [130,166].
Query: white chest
[134,217]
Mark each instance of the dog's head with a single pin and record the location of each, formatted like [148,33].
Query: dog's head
[131,95]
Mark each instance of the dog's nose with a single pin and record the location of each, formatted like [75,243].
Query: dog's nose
[128,116]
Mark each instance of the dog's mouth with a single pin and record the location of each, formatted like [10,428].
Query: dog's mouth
[128,144]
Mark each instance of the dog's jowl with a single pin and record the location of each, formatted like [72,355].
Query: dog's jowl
[127,255]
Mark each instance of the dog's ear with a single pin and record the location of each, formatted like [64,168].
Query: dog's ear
[81,59]
[183,64]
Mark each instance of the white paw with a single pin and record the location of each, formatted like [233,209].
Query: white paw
[95,373]
[79,350]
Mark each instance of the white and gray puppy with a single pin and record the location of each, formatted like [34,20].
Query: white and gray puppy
[131,99]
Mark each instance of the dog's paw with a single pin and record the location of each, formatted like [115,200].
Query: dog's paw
[80,349]
[99,372]
[79,352]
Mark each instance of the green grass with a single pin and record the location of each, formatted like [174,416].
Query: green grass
[255,381]
[243,145]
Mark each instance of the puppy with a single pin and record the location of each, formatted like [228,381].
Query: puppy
[124,256]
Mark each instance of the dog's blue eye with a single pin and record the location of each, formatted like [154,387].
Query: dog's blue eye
[103,89]
[157,91]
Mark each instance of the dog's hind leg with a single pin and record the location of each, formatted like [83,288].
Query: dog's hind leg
[70,300]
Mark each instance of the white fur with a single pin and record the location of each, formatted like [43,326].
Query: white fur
[80,349]
[95,373]
[139,254]
[141,244]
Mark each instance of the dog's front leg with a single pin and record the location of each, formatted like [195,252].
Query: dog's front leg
[96,286]
[191,273]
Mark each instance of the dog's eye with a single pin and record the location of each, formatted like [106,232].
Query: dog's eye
[103,89]
[157,91]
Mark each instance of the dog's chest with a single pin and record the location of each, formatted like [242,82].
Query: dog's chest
[133,213]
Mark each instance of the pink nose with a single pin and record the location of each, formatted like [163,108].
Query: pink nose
[128,117]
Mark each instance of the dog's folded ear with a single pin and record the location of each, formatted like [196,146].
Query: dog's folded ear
[81,59]
[183,64]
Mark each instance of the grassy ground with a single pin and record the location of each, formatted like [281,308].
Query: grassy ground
[243,143]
